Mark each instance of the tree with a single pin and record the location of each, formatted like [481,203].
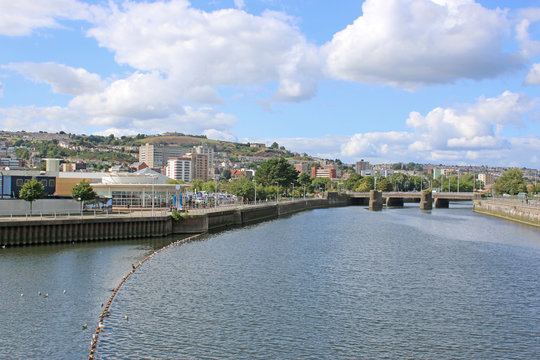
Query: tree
[305,180]
[511,182]
[321,183]
[276,170]
[366,184]
[83,192]
[31,191]
[226,174]
[197,184]
[384,185]
[209,186]
[352,181]
[243,187]
[274,145]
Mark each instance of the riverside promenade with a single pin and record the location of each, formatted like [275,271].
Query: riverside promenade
[37,230]
[524,212]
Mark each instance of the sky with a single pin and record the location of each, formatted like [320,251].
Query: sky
[454,82]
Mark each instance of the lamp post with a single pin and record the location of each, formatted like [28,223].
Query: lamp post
[153,193]
[217,190]
[458,180]
[277,192]
[293,191]
[255,181]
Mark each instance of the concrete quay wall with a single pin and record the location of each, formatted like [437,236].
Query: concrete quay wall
[523,214]
[35,232]
[218,220]
[80,229]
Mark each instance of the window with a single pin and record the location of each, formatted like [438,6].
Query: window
[51,182]
[20,182]
[44,182]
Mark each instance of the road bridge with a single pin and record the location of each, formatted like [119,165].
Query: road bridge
[435,199]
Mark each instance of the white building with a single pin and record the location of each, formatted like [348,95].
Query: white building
[179,169]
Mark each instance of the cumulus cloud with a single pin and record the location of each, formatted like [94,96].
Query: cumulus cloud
[461,134]
[63,79]
[220,135]
[408,43]
[533,77]
[469,126]
[240,4]
[34,118]
[21,17]
[199,49]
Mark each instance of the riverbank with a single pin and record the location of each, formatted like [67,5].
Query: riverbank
[512,211]
[80,229]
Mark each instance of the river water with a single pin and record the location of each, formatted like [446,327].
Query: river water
[340,283]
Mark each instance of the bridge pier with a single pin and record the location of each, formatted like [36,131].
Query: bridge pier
[394,201]
[426,200]
[441,203]
[375,200]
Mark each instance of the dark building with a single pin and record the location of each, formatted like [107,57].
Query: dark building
[10,185]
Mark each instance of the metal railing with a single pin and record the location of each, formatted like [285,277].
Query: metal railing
[529,203]
[37,215]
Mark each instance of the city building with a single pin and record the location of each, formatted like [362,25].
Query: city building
[319,172]
[11,163]
[438,172]
[145,189]
[208,151]
[52,165]
[11,182]
[362,165]
[156,156]
[301,168]
[487,179]
[179,169]
[199,166]
[136,166]
[70,167]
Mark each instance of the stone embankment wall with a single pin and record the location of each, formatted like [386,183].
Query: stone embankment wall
[33,232]
[77,229]
[510,211]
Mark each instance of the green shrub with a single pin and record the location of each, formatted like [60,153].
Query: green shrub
[179,216]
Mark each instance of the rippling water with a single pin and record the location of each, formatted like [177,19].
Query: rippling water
[33,326]
[338,283]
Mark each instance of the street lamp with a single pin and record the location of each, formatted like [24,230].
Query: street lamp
[217,190]
[277,192]
[293,191]
[153,192]
[255,181]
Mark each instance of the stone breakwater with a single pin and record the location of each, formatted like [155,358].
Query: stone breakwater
[514,211]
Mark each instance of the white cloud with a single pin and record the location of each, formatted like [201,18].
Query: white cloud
[533,77]
[1,89]
[33,118]
[462,134]
[468,126]
[220,135]
[63,79]
[21,17]
[240,4]
[198,49]
[409,43]
[140,96]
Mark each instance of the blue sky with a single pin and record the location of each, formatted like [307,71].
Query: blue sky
[439,81]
